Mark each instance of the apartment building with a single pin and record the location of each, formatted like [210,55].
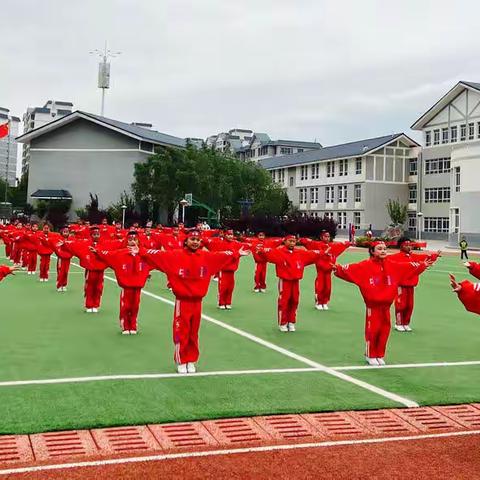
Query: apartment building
[9,148]
[351,182]
[449,167]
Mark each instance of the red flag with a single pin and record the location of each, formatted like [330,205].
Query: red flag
[4,130]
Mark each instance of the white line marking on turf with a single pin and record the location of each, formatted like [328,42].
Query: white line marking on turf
[409,365]
[235,451]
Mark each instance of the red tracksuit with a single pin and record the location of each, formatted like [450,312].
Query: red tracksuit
[94,269]
[64,257]
[469,295]
[260,278]
[30,244]
[131,272]
[324,266]
[378,281]
[405,299]
[474,269]
[189,273]
[289,266]
[4,271]
[45,252]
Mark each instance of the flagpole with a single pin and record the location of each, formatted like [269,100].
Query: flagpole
[7,162]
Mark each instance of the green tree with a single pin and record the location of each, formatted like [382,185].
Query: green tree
[398,212]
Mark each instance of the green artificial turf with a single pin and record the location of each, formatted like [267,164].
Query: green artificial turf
[46,334]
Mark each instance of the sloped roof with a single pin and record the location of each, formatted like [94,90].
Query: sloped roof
[443,102]
[52,194]
[295,143]
[344,150]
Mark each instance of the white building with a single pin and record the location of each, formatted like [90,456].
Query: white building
[9,148]
[36,117]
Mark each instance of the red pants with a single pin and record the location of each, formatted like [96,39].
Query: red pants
[129,305]
[93,288]
[260,275]
[186,323]
[16,254]
[226,284]
[323,287]
[63,266]
[288,296]
[44,266]
[8,249]
[32,261]
[377,331]
[404,305]
[25,258]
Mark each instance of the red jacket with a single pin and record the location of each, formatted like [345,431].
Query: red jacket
[474,269]
[188,272]
[149,241]
[325,263]
[131,270]
[172,242]
[222,245]
[378,280]
[4,271]
[469,295]
[412,280]
[255,243]
[42,240]
[290,264]
[88,260]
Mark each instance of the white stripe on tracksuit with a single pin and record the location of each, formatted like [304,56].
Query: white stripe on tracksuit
[280,290]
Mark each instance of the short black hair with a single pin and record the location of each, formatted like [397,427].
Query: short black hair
[132,232]
[402,240]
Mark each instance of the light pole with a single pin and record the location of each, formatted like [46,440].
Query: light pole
[124,207]
[183,203]
[419,225]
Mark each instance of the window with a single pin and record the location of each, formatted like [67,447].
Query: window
[471,131]
[281,175]
[478,130]
[330,169]
[315,170]
[463,132]
[437,165]
[342,220]
[303,172]
[412,166]
[356,219]
[314,195]
[412,193]
[299,150]
[456,219]
[263,151]
[412,222]
[428,138]
[285,150]
[457,179]
[358,166]
[314,214]
[328,215]
[303,196]
[453,134]
[357,190]
[343,168]
[444,135]
[437,195]
[146,147]
[329,195]
[436,224]
[436,137]
[342,194]
[291,181]
[273,173]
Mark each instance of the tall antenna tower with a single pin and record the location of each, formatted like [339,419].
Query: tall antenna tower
[104,71]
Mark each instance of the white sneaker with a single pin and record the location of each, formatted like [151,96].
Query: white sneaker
[291,327]
[283,328]
[256,290]
[263,290]
[64,289]
[407,328]
[125,332]
[399,328]
[228,307]
[325,307]
[191,367]
[89,310]
[222,307]
[133,332]
[381,361]
[318,306]
[94,310]
[59,289]
[182,368]
[372,361]
[215,279]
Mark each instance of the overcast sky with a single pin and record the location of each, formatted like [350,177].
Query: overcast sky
[334,71]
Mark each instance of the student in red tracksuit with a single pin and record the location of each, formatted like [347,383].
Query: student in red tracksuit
[17,238]
[30,244]
[132,272]
[378,279]
[94,267]
[64,257]
[44,250]
[405,299]
[290,263]
[6,270]
[468,293]
[324,266]
[473,268]
[226,277]
[189,271]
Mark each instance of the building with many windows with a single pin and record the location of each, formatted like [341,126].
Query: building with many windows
[351,182]
[9,148]
[448,184]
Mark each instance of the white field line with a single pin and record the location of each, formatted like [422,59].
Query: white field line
[342,376]
[235,451]
[221,373]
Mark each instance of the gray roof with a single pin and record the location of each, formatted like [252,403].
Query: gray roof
[352,149]
[262,137]
[148,135]
[472,84]
[52,194]
[296,143]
